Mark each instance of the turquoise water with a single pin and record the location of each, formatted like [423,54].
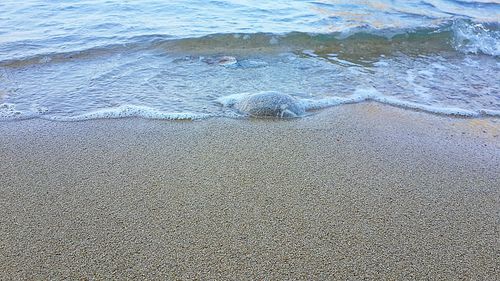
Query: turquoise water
[74,60]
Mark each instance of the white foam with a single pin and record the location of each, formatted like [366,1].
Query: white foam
[428,108]
[332,101]
[129,111]
[371,94]
[475,38]
[309,53]
[381,64]
[343,62]
[490,112]
[9,111]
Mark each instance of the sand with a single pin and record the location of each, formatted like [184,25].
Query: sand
[354,192]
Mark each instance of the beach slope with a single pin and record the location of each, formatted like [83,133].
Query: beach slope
[361,191]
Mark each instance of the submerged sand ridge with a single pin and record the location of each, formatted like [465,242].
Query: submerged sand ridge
[359,191]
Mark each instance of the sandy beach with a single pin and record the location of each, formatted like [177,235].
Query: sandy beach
[362,191]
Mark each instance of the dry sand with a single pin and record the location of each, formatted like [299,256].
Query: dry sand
[354,192]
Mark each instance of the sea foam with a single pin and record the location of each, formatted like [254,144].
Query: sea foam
[371,94]
[362,95]
[246,104]
[129,111]
[475,38]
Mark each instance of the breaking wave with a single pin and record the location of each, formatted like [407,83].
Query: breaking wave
[459,35]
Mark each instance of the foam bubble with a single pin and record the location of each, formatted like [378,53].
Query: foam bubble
[8,111]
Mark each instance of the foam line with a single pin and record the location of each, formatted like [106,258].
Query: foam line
[128,111]
[362,95]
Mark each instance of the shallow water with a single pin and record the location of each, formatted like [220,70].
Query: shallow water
[75,60]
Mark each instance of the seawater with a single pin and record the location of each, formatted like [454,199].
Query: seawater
[77,60]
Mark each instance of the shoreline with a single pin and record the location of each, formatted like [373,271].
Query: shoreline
[358,191]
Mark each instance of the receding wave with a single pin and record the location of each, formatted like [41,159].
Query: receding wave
[458,35]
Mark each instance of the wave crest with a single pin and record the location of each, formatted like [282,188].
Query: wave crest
[460,35]
[476,38]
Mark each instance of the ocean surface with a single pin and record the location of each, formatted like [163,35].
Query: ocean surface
[184,59]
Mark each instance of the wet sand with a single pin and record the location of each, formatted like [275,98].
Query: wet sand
[360,191]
